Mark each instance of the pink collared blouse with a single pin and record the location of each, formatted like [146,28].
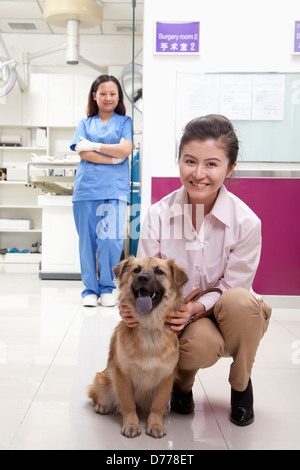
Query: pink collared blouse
[224,253]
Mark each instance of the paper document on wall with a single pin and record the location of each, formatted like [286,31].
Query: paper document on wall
[204,95]
[197,95]
[236,96]
[268,97]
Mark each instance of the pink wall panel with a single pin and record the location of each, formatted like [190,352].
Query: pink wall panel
[276,202]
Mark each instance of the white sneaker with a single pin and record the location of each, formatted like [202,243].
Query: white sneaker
[107,300]
[90,301]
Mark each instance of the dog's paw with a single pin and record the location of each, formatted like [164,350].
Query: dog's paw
[156,430]
[131,430]
[98,408]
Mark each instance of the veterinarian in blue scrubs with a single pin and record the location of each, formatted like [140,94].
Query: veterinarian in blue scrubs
[102,187]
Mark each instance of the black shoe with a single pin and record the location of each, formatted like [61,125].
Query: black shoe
[181,402]
[241,416]
[242,406]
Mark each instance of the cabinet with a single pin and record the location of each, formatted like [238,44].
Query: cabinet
[18,200]
[81,89]
[60,103]
[54,100]
[11,107]
[68,98]
[53,104]
[60,257]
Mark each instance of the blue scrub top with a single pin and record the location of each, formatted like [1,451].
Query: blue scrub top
[94,181]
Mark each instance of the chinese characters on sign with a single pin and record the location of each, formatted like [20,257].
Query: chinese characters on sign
[297,37]
[177,38]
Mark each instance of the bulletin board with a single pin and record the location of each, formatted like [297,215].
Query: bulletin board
[264,109]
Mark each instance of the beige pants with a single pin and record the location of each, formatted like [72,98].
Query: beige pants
[238,324]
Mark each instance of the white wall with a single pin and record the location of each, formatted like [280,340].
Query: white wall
[235,36]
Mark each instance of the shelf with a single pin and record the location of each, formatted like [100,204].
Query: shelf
[54,201]
[19,198]
[20,258]
[51,179]
[18,207]
[4,183]
[28,149]
[34,230]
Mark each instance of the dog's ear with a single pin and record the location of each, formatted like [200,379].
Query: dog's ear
[123,267]
[179,275]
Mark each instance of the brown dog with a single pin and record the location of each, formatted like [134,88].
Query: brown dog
[142,360]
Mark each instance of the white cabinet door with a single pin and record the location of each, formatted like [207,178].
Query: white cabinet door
[11,107]
[60,252]
[82,86]
[51,100]
[35,101]
[60,100]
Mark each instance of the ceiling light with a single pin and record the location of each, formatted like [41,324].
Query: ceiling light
[132,83]
[8,76]
[88,12]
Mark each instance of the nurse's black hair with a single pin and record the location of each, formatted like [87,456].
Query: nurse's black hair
[215,127]
[92,107]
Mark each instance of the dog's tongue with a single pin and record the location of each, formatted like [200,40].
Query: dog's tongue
[143,305]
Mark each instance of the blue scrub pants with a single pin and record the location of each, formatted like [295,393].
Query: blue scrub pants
[100,226]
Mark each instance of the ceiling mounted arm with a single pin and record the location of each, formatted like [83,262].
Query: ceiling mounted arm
[73,56]
[71,46]
[72,14]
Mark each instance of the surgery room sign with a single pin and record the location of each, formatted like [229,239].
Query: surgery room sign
[177,38]
[296,49]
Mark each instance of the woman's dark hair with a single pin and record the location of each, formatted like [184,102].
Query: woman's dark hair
[92,107]
[216,127]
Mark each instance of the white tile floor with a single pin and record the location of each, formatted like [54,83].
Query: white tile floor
[51,347]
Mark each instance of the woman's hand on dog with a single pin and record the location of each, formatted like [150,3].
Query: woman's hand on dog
[183,315]
[176,322]
[125,314]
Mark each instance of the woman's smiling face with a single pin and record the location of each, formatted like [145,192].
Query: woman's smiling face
[107,97]
[203,166]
